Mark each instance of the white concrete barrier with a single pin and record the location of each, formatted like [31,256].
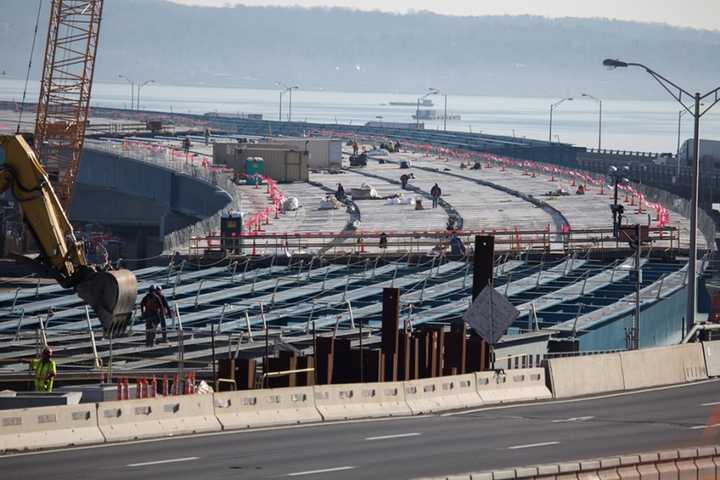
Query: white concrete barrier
[260,408]
[578,376]
[517,385]
[712,358]
[653,367]
[442,393]
[366,400]
[157,417]
[49,427]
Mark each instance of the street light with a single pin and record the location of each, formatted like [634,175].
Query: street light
[693,109]
[290,89]
[599,120]
[444,116]
[132,90]
[553,107]
[140,86]
[282,92]
[417,111]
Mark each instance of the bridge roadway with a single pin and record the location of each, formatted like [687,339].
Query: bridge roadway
[410,447]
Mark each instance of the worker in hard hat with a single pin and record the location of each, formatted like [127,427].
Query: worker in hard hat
[45,370]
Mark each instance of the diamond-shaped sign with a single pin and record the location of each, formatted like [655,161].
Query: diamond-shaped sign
[490,315]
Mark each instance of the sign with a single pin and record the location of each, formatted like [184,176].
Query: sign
[490,315]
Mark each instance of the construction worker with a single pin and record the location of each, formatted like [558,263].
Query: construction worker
[164,313]
[150,308]
[435,192]
[45,370]
[383,240]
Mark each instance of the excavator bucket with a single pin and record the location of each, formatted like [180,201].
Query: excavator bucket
[112,295]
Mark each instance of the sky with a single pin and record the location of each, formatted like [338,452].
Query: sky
[704,14]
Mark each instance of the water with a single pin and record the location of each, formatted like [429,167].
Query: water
[627,124]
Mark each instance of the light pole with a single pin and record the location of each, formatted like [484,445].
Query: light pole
[553,107]
[444,94]
[599,119]
[132,91]
[693,108]
[290,89]
[282,92]
[140,86]
[417,111]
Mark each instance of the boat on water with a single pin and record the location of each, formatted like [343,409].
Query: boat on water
[423,103]
[434,115]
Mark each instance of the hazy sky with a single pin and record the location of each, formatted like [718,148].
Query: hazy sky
[686,13]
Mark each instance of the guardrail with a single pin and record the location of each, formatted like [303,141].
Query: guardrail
[506,239]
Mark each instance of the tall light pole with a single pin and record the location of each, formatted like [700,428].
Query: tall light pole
[444,94]
[553,107]
[693,108]
[432,91]
[290,89]
[282,92]
[132,91]
[599,119]
[140,86]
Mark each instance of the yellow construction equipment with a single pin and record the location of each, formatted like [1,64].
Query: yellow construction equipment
[110,293]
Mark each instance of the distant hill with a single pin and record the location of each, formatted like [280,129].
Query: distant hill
[342,49]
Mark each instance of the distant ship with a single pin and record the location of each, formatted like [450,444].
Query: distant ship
[434,115]
[423,103]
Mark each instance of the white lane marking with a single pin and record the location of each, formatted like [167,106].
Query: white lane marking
[573,419]
[324,470]
[701,427]
[399,435]
[532,445]
[160,462]
[709,404]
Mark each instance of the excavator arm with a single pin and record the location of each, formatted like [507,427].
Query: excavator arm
[111,294]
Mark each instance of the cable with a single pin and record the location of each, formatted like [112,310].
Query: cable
[27,75]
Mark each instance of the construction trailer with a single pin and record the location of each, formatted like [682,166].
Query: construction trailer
[325,153]
[282,163]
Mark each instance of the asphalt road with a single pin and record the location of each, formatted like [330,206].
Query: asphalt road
[407,447]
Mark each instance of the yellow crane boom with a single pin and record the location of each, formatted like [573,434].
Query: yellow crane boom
[111,294]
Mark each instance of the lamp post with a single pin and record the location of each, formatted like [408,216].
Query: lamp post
[290,89]
[693,108]
[282,92]
[132,91]
[417,111]
[444,94]
[140,86]
[599,119]
[553,107]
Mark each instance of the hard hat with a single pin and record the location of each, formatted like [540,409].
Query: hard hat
[152,287]
[158,288]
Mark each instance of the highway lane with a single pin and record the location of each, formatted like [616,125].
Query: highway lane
[407,447]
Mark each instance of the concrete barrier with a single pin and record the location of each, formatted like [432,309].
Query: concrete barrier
[367,400]
[49,427]
[442,393]
[712,358]
[157,417]
[578,376]
[261,408]
[512,385]
[653,367]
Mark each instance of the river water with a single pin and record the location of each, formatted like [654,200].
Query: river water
[627,124]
